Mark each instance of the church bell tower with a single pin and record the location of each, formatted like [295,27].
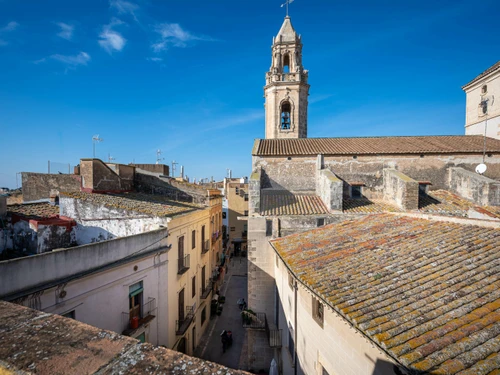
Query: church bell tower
[286,87]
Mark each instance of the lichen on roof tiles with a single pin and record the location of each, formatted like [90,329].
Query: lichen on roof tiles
[428,292]
[153,205]
[34,210]
[281,202]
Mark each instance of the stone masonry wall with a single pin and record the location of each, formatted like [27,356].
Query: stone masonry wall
[254,192]
[97,176]
[38,185]
[330,189]
[479,189]
[400,190]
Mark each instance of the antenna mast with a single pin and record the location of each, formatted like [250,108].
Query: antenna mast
[158,156]
[95,139]
[174,163]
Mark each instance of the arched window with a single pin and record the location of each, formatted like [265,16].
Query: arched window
[286,63]
[285,116]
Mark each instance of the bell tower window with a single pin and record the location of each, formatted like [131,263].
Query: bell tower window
[286,64]
[285,116]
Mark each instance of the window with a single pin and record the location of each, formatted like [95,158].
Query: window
[203,235]
[269,228]
[422,189]
[286,63]
[246,197]
[203,315]
[135,300]
[245,212]
[290,280]
[355,191]
[484,89]
[180,247]
[291,344]
[181,305]
[318,311]
[224,215]
[69,314]
[142,337]
[233,229]
[193,286]
[193,239]
[320,222]
[285,116]
[237,191]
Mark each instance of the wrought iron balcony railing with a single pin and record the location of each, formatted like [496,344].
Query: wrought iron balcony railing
[147,314]
[208,288]
[205,247]
[181,326]
[183,265]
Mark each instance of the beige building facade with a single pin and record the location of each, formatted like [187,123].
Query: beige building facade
[482,108]
[236,191]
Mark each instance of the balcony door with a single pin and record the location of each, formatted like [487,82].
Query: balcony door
[180,246]
[181,306]
[203,279]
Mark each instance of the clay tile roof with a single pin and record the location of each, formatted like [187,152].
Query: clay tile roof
[375,145]
[427,292]
[280,202]
[154,205]
[46,344]
[491,69]
[34,210]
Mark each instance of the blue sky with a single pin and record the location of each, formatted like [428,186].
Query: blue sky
[187,77]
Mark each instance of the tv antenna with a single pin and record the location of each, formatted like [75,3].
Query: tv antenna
[158,157]
[96,139]
[174,163]
[110,158]
[486,101]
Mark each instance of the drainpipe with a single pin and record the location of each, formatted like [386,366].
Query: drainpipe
[296,328]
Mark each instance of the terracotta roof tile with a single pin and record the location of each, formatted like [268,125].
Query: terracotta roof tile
[280,202]
[376,145]
[155,205]
[34,210]
[486,72]
[428,292]
[47,344]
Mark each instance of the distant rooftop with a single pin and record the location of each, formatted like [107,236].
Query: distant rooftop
[155,205]
[34,210]
[491,69]
[426,291]
[281,202]
[46,344]
[375,145]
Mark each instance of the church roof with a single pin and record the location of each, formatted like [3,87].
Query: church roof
[491,69]
[287,33]
[448,144]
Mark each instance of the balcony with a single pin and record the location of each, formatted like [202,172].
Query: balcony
[215,236]
[147,315]
[258,321]
[181,326]
[274,336]
[183,265]
[208,288]
[205,246]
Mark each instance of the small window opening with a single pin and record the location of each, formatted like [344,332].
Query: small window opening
[422,189]
[484,89]
[320,222]
[285,116]
[286,64]
[269,228]
[355,191]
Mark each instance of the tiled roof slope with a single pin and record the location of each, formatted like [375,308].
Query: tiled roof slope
[485,73]
[438,202]
[46,344]
[156,205]
[34,210]
[279,202]
[375,145]
[427,292]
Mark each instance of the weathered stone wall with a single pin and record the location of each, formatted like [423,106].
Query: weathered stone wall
[400,189]
[97,176]
[298,173]
[330,189]
[38,185]
[254,185]
[479,189]
[155,168]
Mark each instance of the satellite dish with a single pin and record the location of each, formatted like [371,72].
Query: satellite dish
[481,168]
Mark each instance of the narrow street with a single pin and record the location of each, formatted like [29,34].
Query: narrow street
[210,347]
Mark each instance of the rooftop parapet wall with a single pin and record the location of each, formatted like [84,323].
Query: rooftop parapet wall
[38,186]
[97,176]
[155,168]
[400,190]
[481,190]
[53,267]
[330,189]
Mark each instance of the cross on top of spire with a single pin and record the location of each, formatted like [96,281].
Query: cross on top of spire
[287,3]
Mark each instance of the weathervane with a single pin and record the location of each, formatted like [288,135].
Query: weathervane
[287,3]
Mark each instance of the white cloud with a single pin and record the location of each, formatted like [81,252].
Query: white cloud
[11,26]
[154,59]
[173,34]
[66,30]
[81,59]
[111,40]
[124,7]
